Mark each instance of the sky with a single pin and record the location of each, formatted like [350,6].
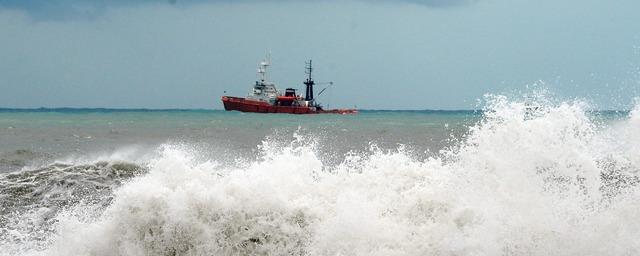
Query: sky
[380,54]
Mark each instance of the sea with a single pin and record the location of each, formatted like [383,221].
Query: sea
[513,177]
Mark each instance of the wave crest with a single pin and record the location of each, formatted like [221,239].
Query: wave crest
[524,180]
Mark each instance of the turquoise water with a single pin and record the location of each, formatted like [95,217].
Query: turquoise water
[62,132]
[511,180]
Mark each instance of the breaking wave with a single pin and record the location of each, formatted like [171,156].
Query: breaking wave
[31,200]
[543,180]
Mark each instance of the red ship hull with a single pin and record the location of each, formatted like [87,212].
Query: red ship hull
[254,106]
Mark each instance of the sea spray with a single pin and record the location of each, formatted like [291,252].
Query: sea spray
[30,200]
[543,180]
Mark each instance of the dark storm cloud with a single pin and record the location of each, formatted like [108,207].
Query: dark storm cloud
[439,3]
[60,9]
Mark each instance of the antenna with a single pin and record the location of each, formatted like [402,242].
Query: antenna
[308,69]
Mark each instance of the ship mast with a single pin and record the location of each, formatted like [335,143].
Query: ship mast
[262,68]
[309,82]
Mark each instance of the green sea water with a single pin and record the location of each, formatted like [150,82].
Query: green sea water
[44,135]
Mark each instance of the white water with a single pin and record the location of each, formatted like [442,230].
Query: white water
[520,183]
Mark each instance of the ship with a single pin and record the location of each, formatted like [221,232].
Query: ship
[264,97]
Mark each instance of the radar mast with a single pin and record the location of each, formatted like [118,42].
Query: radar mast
[262,68]
[309,82]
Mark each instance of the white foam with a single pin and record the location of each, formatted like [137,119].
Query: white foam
[522,182]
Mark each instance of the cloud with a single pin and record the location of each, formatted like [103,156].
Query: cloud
[70,9]
[439,3]
[66,9]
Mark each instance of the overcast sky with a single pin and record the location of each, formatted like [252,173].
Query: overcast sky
[380,54]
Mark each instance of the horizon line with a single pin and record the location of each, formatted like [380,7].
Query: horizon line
[44,109]
[118,109]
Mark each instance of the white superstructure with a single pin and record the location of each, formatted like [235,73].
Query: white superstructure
[264,90]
